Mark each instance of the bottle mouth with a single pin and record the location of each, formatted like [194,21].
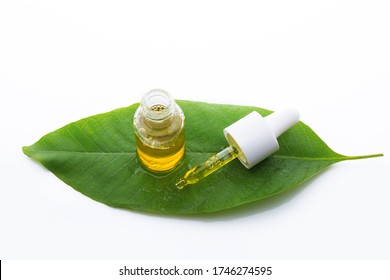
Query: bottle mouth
[157,104]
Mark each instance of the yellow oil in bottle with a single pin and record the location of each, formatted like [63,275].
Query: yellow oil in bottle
[159,131]
[161,158]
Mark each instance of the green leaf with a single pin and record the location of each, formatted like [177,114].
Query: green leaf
[97,157]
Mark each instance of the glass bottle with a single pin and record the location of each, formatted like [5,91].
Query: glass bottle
[159,131]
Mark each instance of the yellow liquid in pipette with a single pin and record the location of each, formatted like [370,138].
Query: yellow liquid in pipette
[206,168]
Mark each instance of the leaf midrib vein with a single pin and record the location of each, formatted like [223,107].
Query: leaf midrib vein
[337,158]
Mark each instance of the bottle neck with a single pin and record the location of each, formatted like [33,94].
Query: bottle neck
[158,107]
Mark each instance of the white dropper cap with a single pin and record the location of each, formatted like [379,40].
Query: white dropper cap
[255,137]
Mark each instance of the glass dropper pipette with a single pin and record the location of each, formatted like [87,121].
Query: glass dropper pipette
[204,169]
[252,139]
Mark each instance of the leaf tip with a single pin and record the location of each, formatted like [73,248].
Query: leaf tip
[374,155]
[26,150]
[365,156]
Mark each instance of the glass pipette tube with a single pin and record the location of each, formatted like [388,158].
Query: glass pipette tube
[206,168]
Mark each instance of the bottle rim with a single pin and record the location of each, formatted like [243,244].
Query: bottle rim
[157,97]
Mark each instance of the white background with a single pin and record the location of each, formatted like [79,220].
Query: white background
[64,60]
